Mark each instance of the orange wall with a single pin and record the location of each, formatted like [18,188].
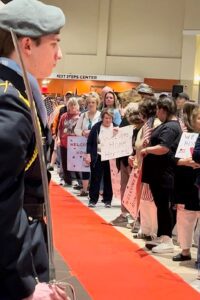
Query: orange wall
[161,85]
[60,86]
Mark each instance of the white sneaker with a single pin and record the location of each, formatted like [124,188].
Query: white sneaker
[155,242]
[62,182]
[166,246]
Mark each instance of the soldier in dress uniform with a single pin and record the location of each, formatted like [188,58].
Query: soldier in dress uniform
[37,27]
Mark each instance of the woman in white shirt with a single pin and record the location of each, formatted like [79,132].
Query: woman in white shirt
[103,130]
[83,127]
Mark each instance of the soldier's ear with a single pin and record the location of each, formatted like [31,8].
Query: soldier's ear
[25,43]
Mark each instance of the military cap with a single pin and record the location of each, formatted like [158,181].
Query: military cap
[31,18]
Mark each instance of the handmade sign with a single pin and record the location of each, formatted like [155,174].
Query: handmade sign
[118,145]
[76,153]
[131,199]
[186,145]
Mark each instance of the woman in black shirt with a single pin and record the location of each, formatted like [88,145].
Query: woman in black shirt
[158,171]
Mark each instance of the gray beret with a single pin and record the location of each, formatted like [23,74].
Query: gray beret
[31,18]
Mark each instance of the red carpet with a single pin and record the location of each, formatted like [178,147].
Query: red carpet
[108,265]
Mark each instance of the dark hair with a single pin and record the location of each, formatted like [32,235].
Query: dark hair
[6,43]
[107,111]
[147,108]
[168,105]
[183,96]
[188,113]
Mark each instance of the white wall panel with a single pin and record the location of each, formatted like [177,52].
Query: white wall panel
[81,31]
[151,28]
[144,67]
[192,14]
[129,37]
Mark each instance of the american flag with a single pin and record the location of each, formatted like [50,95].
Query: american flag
[147,130]
[49,105]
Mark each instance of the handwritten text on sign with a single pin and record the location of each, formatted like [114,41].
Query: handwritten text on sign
[76,151]
[119,145]
[186,145]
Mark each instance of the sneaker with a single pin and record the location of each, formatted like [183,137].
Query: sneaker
[120,221]
[83,194]
[134,226]
[142,236]
[77,187]
[62,182]
[108,205]
[153,243]
[166,246]
[91,204]
[130,226]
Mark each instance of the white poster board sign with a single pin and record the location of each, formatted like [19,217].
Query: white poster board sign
[76,152]
[186,145]
[118,145]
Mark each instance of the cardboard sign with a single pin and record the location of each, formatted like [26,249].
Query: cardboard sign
[131,199]
[118,145]
[76,152]
[186,145]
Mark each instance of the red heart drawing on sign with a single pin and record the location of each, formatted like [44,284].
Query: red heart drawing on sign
[191,150]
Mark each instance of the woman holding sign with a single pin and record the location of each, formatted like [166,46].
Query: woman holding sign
[83,128]
[66,128]
[158,171]
[100,169]
[186,191]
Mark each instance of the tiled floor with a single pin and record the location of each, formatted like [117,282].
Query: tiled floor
[186,270]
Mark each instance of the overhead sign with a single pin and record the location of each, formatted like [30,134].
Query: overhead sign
[96,77]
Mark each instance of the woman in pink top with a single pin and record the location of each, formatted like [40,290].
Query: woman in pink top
[66,128]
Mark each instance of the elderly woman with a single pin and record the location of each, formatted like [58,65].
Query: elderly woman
[159,170]
[66,128]
[100,169]
[83,127]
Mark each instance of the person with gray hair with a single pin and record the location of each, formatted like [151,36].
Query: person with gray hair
[37,28]
[66,128]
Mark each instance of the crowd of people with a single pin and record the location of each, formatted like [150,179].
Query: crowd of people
[169,187]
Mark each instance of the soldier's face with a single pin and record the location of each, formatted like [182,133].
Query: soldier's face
[43,58]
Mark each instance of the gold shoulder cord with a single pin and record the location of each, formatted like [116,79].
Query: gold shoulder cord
[6,85]
[35,152]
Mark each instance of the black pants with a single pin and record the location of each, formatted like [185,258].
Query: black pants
[99,170]
[85,175]
[163,199]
